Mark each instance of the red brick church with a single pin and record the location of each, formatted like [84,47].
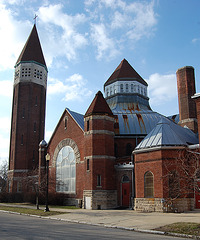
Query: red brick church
[113,155]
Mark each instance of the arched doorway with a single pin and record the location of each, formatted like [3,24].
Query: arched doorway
[125,191]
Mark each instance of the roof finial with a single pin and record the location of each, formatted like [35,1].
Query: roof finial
[35,18]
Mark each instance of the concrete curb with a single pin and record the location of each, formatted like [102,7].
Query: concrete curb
[108,226]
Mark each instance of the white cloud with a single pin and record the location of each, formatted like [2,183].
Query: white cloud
[195,40]
[73,88]
[5,124]
[48,135]
[162,88]
[62,25]
[105,45]
[6,88]
[125,22]
[4,149]
[12,34]
[144,20]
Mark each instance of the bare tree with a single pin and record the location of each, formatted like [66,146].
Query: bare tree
[182,176]
[3,176]
[32,183]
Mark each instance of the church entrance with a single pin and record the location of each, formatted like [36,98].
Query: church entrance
[125,191]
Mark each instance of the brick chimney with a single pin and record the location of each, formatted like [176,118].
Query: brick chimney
[186,89]
[196,97]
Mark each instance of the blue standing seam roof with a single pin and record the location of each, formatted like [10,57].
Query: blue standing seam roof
[168,133]
[79,118]
[135,118]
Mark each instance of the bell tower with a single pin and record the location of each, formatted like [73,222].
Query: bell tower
[28,111]
[100,190]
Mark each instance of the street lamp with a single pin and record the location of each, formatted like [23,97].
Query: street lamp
[47,181]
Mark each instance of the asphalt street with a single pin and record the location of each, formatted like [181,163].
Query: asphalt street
[13,226]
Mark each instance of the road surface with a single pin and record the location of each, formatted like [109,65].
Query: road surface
[13,226]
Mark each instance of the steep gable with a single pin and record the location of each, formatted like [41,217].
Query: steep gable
[99,106]
[32,50]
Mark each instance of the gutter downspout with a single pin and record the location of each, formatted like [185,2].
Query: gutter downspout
[133,182]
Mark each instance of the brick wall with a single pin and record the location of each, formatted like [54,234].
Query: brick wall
[74,132]
[186,89]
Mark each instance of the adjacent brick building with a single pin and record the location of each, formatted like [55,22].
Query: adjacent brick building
[91,159]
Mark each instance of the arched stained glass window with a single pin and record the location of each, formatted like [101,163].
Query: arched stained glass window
[148,185]
[66,170]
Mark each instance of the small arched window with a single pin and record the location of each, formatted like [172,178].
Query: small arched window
[125,179]
[131,87]
[148,185]
[126,87]
[121,88]
[116,150]
[66,122]
[128,149]
[110,90]
[34,127]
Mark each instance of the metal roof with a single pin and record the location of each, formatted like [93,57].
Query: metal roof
[134,118]
[168,133]
[174,118]
[79,118]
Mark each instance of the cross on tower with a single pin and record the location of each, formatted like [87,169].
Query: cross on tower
[35,18]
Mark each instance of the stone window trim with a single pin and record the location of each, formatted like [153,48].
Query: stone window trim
[63,143]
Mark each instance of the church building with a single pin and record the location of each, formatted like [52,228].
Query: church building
[99,160]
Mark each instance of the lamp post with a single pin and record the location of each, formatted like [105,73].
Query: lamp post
[37,193]
[47,182]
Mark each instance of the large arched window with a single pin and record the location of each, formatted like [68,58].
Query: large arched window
[66,170]
[148,185]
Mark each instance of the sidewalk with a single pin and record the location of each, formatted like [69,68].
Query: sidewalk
[127,219]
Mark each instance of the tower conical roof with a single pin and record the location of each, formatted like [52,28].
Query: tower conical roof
[32,50]
[124,71]
[99,106]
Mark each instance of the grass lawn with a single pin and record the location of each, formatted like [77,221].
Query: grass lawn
[25,210]
[182,228]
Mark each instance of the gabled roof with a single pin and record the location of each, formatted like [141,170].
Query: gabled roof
[99,106]
[79,118]
[32,50]
[168,133]
[125,71]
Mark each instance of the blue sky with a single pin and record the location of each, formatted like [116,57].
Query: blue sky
[84,41]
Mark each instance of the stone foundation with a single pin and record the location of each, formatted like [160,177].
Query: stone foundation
[99,199]
[162,205]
